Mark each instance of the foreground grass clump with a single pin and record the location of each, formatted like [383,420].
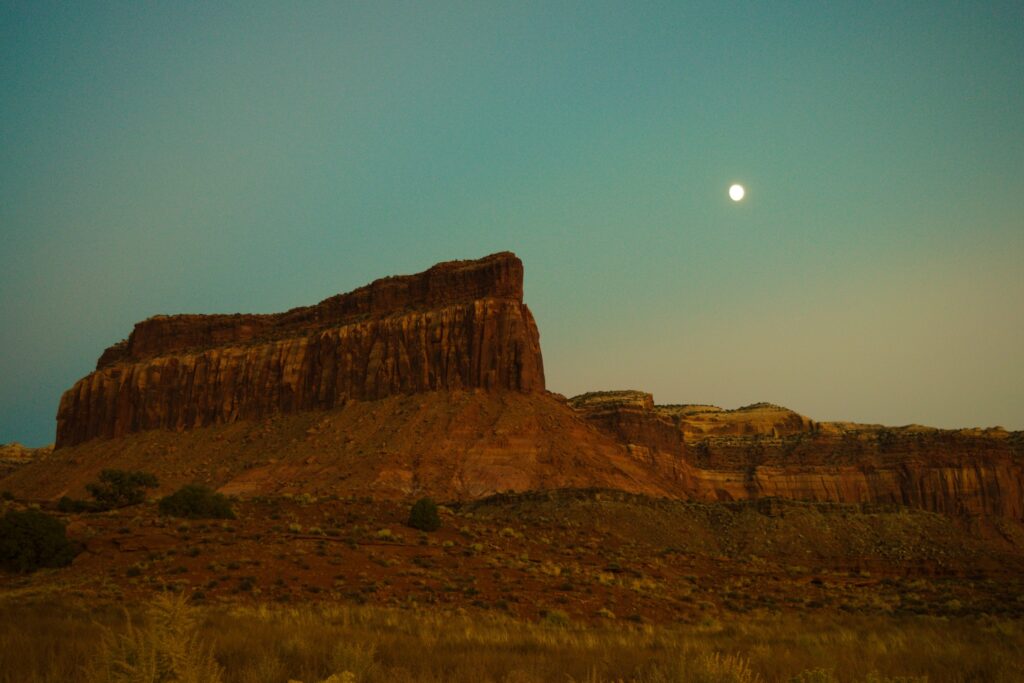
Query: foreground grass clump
[166,648]
[170,640]
[196,502]
[31,540]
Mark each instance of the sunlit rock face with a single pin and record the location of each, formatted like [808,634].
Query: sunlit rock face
[764,450]
[458,325]
[14,456]
[438,384]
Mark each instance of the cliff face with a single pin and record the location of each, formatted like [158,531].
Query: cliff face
[458,325]
[630,417]
[444,374]
[765,450]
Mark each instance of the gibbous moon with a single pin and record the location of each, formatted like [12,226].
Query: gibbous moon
[736,192]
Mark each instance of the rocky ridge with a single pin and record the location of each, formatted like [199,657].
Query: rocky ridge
[433,384]
[458,325]
[14,456]
[765,450]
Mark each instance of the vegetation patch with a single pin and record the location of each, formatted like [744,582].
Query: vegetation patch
[196,502]
[121,488]
[115,489]
[172,639]
[424,515]
[31,540]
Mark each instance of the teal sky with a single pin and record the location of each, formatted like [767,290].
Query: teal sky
[176,157]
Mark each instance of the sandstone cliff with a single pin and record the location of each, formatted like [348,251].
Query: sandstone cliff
[765,450]
[433,384]
[458,325]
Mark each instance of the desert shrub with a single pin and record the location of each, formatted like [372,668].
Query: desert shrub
[423,515]
[555,617]
[121,488]
[32,539]
[197,502]
[167,647]
[66,504]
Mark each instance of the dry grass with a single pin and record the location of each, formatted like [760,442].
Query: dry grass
[170,641]
[166,648]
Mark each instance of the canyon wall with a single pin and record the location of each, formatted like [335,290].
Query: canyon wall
[459,334]
[765,450]
[458,325]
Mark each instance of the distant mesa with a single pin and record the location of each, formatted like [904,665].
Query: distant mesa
[13,456]
[433,384]
[765,450]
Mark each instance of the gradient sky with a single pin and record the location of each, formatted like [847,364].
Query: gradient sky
[221,157]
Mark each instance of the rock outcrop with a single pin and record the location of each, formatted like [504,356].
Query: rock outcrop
[14,456]
[631,418]
[764,450]
[458,325]
[433,384]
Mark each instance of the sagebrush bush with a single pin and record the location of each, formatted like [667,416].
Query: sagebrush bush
[31,539]
[67,504]
[424,516]
[197,502]
[121,488]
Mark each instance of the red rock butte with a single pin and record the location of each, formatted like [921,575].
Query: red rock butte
[433,384]
[457,325]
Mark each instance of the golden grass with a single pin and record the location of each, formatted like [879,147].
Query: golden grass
[168,640]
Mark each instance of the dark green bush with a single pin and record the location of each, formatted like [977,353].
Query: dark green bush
[197,502]
[423,515]
[66,504]
[31,539]
[120,488]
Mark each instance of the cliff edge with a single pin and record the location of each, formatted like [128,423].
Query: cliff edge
[765,450]
[457,325]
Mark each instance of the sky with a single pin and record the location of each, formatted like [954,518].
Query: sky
[172,157]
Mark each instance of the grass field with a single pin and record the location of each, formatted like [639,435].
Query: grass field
[167,639]
[579,586]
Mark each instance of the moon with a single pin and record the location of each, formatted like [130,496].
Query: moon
[736,192]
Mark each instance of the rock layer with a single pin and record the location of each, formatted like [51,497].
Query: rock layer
[458,325]
[433,384]
[765,450]
[14,456]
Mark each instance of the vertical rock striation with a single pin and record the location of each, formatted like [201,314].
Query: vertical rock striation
[764,450]
[458,325]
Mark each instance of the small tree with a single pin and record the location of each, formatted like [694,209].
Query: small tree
[32,539]
[120,488]
[423,515]
[197,502]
